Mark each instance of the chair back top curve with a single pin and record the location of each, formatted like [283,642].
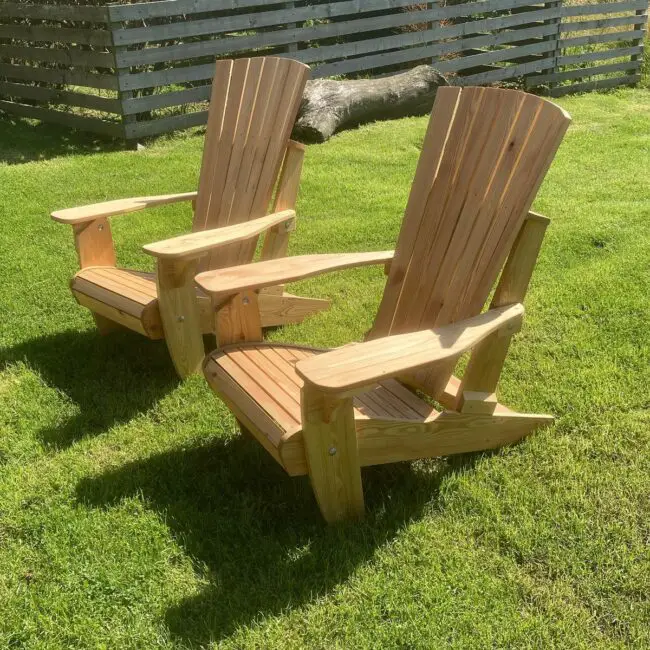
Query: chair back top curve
[485,154]
[253,107]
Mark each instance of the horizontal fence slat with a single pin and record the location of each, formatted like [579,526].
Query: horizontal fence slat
[312,12]
[165,77]
[165,124]
[600,23]
[168,8]
[83,100]
[164,100]
[602,38]
[103,81]
[495,56]
[582,72]
[599,84]
[507,72]
[604,8]
[600,55]
[66,119]
[98,37]
[227,44]
[53,12]
[70,56]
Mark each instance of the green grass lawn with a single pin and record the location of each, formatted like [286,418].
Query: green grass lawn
[132,515]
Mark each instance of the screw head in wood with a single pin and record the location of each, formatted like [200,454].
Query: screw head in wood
[332,451]
[100,226]
[181,319]
[245,301]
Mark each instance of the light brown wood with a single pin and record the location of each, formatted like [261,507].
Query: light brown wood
[332,457]
[328,413]
[226,282]
[179,312]
[94,243]
[445,434]
[485,364]
[352,367]
[277,238]
[113,208]
[253,107]
[196,244]
[238,320]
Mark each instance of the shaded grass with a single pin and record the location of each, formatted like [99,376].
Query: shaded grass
[132,515]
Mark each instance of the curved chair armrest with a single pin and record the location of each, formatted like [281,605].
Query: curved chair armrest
[350,368]
[196,244]
[223,283]
[121,206]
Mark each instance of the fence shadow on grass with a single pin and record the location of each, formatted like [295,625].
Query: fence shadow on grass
[24,141]
[255,533]
[109,378]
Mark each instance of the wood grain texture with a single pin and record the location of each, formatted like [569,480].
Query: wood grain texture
[179,313]
[225,282]
[330,441]
[352,367]
[194,245]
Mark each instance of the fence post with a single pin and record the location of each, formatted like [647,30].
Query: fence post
[636,57]
[122,95]
[291,47]
[555,37]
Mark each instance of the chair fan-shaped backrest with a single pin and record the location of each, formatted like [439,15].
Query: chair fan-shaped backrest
[485,154]
[253,107]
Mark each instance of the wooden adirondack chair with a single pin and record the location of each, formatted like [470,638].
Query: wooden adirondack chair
[253,108]
[327,414]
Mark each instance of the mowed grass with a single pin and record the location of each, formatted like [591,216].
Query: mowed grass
[132,515]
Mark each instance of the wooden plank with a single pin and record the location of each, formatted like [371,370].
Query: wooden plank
[228,44]
[351,368]
[330,441]
[53,12]
[164,125]
[73,77]
[163,100]
[599,23]
[232,280]
[416,53]
[94,243]
[506,54]
[66,119]
[194,245]
[97,37]
[628,80]
[120,206]
[601,38]
[111,313]
[507,72]
[584,72]
[599,56]
[390,441]
[53,96]
[70,55]
[179,313]
[312,12]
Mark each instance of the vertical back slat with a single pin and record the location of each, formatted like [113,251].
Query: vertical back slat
[252,110]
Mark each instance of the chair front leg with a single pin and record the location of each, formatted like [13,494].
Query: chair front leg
[179,312]
[330,440]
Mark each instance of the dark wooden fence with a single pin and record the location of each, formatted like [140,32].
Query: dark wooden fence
[135,70]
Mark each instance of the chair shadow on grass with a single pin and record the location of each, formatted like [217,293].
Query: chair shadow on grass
[23,141]
[255,534]
[110,378]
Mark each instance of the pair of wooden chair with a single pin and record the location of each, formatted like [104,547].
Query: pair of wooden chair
[467,222]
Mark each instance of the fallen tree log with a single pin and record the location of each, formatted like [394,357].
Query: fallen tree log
[329,106]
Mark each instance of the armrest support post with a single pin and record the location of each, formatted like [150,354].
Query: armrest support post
[485,365]
[94,243]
